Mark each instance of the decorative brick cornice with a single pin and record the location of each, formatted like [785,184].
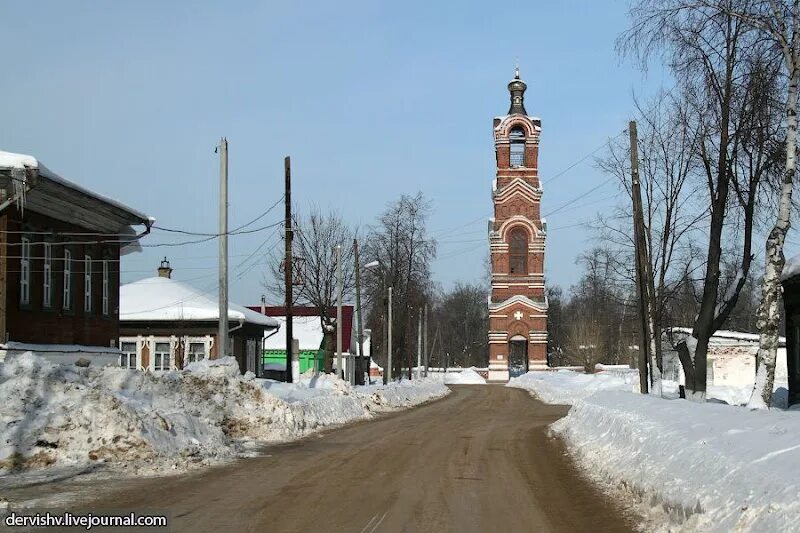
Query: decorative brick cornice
[517,299]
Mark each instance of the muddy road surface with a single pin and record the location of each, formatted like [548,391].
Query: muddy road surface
[477,460]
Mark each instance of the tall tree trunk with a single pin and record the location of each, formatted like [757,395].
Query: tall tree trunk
[769,311]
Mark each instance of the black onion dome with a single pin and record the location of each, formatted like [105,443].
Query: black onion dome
[517,89]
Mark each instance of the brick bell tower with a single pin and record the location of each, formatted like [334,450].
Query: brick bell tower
[517,306]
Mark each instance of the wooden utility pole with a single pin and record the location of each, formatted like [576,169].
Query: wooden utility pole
[222,334]
[339,368]
[287,270]
[425,339]
[359,324]
[388,371]
[419,345]
[641,260]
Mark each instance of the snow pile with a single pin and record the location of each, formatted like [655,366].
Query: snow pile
[566,387]
[71,416]
[399,394]
[465,377]
[697,467]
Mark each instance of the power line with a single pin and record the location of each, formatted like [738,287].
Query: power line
[579,197]
[235,231]
[143,245]
[584,158]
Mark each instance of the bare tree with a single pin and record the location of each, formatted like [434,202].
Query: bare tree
[671,209]
[463,319]
[399,242]
[317,236]
[722,78]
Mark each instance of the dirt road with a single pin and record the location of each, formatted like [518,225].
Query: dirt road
[478,460]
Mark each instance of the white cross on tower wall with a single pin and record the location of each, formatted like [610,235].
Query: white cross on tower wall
[518,315]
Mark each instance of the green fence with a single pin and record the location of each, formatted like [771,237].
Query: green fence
[308,359]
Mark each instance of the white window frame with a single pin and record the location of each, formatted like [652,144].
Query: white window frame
[47,281]
[87,284]
[129,356]
[67,304]
[157,353]
[105,288]
[25,271]
[190,355]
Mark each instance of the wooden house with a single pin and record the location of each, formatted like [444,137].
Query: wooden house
[60,250]
[166,324]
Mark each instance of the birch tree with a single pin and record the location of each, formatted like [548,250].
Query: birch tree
[778,22]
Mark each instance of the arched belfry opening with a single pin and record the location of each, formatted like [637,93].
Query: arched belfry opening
[516,139]
[517,305]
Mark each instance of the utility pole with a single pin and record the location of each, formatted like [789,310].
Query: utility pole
[287,270]
[641,261]
[222,334]
[389,352]
[359,324]
[425,339]
[339,368]
[419,345]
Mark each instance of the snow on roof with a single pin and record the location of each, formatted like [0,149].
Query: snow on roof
[17,161]
[158,298]
[10,160]
[306,329]
[791,268]
[728,335]
[65,348]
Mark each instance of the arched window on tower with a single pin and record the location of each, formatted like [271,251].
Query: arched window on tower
[518,252]
[517,139]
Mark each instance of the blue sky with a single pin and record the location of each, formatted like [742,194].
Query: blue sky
[371,100]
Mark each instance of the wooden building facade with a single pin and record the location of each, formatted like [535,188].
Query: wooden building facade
[60,250]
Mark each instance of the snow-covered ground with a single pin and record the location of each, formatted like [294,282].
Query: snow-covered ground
[566,387]
[55,416]
[689,466]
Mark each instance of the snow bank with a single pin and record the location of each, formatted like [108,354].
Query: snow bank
[465,377]
[566,387]
[63,415]
[696,467]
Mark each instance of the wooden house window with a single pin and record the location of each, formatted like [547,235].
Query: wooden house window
[87,284]
[67,280]
[197,352]
[127,358]
[47,282]
[25,272]
[162,356]
[518,252]
[105,288]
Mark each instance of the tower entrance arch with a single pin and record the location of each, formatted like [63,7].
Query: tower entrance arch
[517,356]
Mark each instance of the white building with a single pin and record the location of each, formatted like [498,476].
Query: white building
[731,358]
